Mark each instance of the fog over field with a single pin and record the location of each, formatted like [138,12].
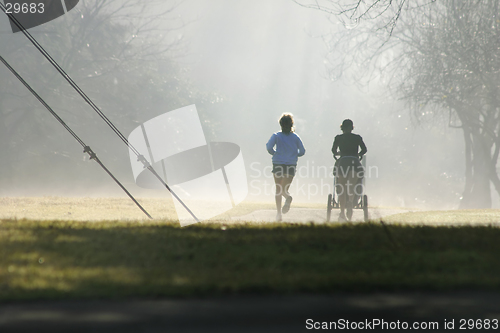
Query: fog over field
[242,63]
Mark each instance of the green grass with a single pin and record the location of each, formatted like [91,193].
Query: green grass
[111,208]
[463,216]
[61,260]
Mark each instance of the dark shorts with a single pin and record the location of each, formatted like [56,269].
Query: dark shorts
[281,170]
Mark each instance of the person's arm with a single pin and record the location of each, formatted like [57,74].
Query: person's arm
[301,148]
[335,147]
[363,148]
[270,144]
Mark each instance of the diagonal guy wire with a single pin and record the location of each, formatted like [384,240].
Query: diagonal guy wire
[73,84]
[86,148]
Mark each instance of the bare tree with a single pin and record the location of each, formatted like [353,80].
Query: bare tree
[452,66]
[442,58]
[384,13]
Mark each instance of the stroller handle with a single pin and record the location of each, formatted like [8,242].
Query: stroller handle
[336,157]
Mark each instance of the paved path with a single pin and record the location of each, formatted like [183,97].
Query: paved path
[242,314]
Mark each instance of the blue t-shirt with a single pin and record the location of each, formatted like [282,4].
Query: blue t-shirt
[288,148]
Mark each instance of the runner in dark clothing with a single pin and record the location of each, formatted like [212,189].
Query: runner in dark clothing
[348,143]
[348,170]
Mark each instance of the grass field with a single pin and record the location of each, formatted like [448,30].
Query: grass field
[84,209]
[116,259]
[110,209]
[451,217]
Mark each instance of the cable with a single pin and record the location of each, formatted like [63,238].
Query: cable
[61,71]
[66,76]
[87,149]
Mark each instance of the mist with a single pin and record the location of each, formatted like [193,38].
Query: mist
[243,63]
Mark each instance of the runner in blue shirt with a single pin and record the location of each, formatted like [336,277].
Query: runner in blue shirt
[289,148]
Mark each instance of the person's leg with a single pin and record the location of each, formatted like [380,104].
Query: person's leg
[339,188]
[287,181]
[278,194]
[349,198]
[341,195]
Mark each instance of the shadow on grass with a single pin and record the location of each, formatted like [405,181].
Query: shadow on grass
[53,260]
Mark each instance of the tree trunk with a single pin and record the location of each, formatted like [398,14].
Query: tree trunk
[477,193]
